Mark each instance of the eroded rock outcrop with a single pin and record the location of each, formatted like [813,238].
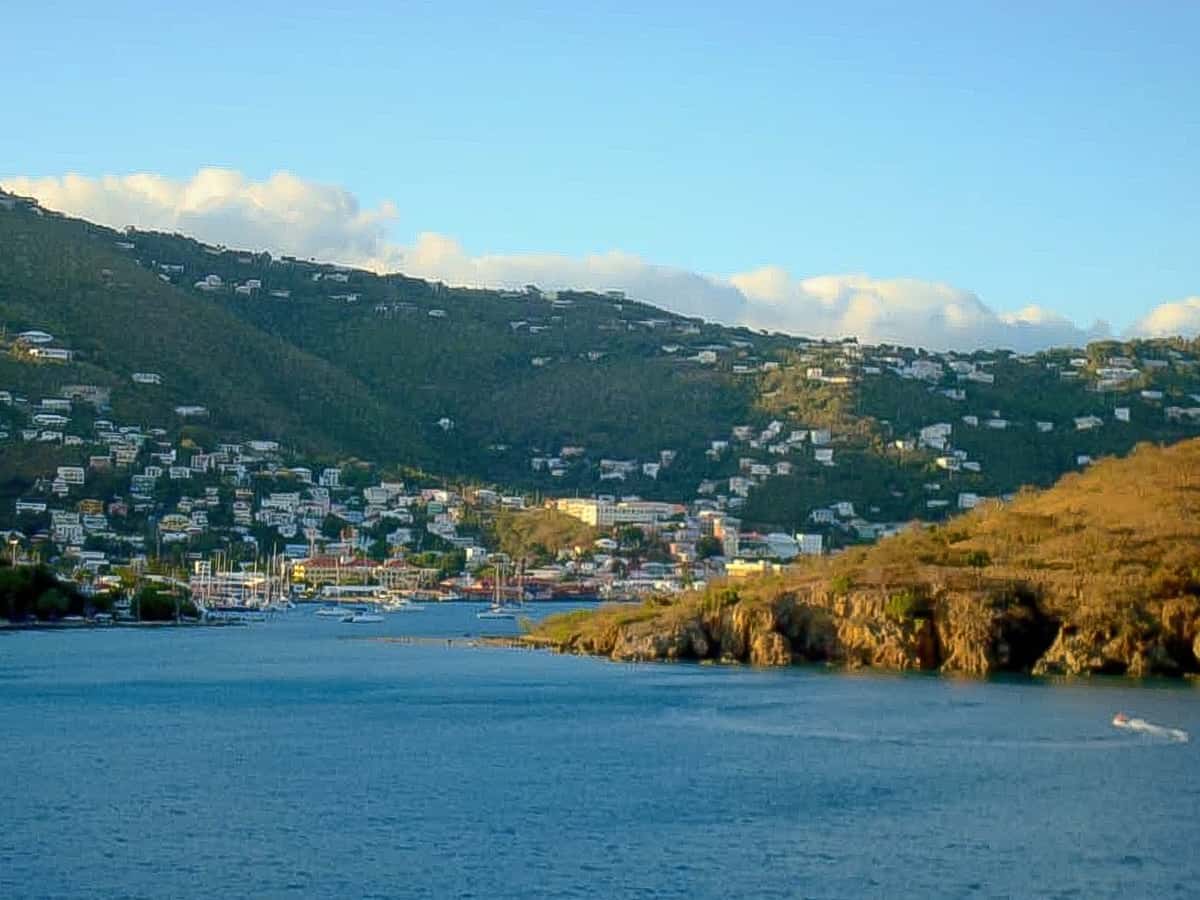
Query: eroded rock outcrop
[976,631]
[645,641]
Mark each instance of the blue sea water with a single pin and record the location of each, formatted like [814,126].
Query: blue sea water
[300,758]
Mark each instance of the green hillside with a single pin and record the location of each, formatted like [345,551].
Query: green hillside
[481,384]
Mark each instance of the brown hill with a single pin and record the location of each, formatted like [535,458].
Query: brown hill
[1100,573]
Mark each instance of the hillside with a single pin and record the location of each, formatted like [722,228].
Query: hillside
[1100,574]
[537,390]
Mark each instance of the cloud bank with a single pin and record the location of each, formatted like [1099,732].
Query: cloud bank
[288,214]
[1167,319]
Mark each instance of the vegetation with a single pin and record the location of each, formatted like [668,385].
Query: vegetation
[157,603]
[473,384]
[33,592]
[1099,574]
[537,535]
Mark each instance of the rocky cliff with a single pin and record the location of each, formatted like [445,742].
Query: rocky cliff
[1100,574]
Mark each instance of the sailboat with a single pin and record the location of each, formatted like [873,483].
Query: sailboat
[499,609]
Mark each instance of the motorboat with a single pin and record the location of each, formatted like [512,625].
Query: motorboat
[1129,723]
[362,618]
[402,604]
[331,612]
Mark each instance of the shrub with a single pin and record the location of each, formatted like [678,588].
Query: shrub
[907,605]
[52,604]
[719,599]
[978,559]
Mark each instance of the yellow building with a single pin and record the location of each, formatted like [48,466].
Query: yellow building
[744,568]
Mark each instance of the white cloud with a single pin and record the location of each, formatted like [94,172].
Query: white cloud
[283,213]
[287,214]
[1168,319]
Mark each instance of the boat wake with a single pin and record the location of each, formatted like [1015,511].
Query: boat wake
[1176,735]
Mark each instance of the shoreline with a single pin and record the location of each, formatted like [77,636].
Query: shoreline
[545,645]
[105,626]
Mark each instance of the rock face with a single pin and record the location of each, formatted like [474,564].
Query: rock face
[770,648]
[649,641]
[974,632]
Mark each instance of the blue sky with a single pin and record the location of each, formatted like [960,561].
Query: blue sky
[1028,155]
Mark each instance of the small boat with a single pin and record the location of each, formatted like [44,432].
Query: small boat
[1178,735]
[363,618]
[402,605]
[331,612]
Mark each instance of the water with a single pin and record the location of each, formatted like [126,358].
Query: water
[300,759]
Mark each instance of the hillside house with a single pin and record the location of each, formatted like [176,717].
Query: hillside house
[51,354]
[71,474]
[935,436]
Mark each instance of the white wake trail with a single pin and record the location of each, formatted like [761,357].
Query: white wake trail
[1177,735]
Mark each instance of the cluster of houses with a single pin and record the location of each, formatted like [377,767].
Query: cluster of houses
[130,487]
[37,346]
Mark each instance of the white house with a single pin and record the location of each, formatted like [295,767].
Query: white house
[71,474]
[52,354]
[811,544]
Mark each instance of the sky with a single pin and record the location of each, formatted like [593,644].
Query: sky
[944,174]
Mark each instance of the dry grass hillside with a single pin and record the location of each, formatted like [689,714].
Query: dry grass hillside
[1101,573]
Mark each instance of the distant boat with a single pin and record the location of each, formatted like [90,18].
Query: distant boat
[500,609]
[1120,720]
[402,605]
[362,618]
[331,612]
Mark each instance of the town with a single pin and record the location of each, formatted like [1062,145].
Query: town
[241,522]
[624,450]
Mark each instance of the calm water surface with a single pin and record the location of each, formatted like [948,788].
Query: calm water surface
[298,758]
